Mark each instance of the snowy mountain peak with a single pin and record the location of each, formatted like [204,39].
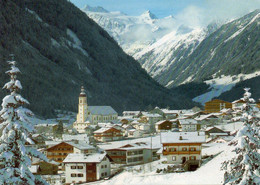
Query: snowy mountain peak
[148,15]
[94,9]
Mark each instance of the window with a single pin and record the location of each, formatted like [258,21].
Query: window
[73,175]
[172,149]
[102,166]
[140,152]
[73,167]
[174,158]
[192,149]
[80,167]
[102,174]
[193,158]
[105,166]
[184,149]
[80,175]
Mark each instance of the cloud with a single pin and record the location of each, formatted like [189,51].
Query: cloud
[212,10]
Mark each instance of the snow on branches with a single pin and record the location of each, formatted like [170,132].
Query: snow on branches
[15,156]
[244,166]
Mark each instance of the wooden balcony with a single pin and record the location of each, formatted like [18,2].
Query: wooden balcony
[181,152]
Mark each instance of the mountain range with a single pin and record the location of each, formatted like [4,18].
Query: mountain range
[133,33]
[57,54]
[198,55]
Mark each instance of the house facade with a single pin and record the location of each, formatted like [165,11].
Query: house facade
[188,125]
[108,134]
[59,151]
[133,154]
[81,168]
[163,126]
[180,148]
[216,105]
[91,115]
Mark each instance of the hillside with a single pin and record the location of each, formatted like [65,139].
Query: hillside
[230,50]
[58,53]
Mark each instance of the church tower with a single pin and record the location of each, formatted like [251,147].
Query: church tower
[83,107]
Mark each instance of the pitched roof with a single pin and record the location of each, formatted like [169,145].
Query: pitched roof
[183,137]
[101,110]
[188,121]
[84,158]
[104,129]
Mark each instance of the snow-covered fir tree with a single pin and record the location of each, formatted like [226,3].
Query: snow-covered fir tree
[243,167]
[15,157]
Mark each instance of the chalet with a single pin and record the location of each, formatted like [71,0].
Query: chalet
[59,151]
[162,126]
[81,168]
[216,105]
[188,125]
[166,113]
[208,119]
[183,148]
[108,134]
[237,104]
[214,131]
[44,168]
[134,133]
[132,154]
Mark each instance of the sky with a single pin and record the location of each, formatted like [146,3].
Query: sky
[201,9]
[161,8]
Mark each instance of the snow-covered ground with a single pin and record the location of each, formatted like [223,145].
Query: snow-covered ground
[208,173]
[221,85]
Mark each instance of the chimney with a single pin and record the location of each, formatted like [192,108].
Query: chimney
[180,138]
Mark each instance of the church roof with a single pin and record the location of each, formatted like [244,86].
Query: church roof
[101,110]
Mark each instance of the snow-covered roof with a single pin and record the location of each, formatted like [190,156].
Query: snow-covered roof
[183,137]
[101,110]
[188,121]
[218,134]
[160,122]
[167,111]
[104,129]
[202,117]
[134,146]
[150,115]
[84,158]
[68,137]
[34,168]
[83,146]
[131,112]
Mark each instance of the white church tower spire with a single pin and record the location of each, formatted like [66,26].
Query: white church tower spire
[83,107]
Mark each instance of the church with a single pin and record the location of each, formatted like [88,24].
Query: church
[92,115]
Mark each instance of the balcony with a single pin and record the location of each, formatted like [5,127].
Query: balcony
[165,152]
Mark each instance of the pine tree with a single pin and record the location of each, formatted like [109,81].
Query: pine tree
[59,130]
[15,157]
[244,166]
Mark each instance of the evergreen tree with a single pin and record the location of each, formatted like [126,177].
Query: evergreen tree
[15,157]
[59,130]
[244,166]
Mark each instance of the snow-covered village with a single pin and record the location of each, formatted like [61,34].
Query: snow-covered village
[97,92]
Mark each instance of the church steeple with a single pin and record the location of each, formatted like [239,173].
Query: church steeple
[83,106]
[82,93]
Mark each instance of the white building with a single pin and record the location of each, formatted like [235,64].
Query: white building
[188,125]
[91,115]
[86,168]
[179,147]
